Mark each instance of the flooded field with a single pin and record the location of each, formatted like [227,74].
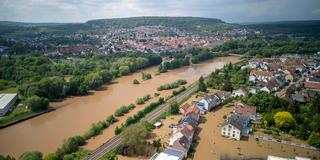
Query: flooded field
[213,146]
[75,115]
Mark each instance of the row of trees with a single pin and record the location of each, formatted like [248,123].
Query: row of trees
[172,85]
[143,99]
[141,114]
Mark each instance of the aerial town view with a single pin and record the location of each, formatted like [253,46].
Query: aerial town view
[159,80]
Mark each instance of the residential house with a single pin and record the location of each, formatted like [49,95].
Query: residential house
[184,108]
[200,106]
[223,94]
[238,92]
[311,89]
[242,109]
[169,154]
[194,112]
[187,130]
[190,118]
[210,102]
[182,144]
[256,75]
[236,126]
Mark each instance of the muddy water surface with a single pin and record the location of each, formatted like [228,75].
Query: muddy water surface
[75,115]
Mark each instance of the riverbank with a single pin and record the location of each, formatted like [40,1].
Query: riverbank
[26,117]
[76,114]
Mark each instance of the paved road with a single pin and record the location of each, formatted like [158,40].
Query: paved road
[115,141]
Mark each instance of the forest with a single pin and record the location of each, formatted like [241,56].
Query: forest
[271,47]
[53,78]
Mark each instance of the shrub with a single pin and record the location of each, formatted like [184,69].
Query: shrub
[136,82]
[111,119]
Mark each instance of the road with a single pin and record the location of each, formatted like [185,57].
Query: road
[115,141]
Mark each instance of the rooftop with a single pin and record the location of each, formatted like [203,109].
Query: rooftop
[261,73]
[5,99]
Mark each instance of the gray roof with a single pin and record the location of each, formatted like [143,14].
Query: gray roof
[213,99]
[189,119]
[5,99]
[238,121]
[298,97]
[174,152]
[313,79]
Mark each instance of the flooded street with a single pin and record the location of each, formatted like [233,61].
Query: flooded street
[75,115]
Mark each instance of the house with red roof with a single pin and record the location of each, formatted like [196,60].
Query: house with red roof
[256,75]
[184,108]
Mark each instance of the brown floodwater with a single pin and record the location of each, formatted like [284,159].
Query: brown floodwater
[75,115]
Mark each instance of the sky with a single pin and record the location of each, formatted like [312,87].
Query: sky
[228,10]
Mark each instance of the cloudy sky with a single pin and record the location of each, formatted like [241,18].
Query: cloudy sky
[227,10]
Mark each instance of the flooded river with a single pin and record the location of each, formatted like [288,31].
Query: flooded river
[75,115]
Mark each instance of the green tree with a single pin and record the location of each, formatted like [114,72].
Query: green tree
[7,158]
[227,85]
[135,138]
[202,85]
[124,70]
[36,103]
[117,130]
[314,139]
[51,156]
[34,155]
[283,120]
[51,87]
[174,108]
[93,80]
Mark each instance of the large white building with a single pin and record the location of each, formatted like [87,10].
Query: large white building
[236,126]
[7,103]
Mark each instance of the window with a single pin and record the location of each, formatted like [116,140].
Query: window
[233,135]
[228,134]
[234,132]
[224,133]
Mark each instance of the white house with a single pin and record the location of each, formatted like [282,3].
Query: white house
[168,154]
[236,126]
[210,102]
[231,131]
[260,75]
[238,92]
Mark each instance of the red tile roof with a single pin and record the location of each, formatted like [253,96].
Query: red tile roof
[261,73]
[193,110]
[311,85]
[185,106]
[243,109]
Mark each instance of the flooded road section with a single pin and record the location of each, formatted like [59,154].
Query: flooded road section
[75,115]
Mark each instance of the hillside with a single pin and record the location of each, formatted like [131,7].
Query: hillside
[189,24]
[302,28]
